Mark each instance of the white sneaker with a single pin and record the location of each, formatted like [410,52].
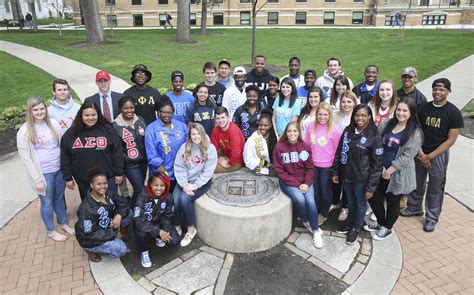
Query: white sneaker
[318,239]
[145,259]
[332,207]
[372,217]
[188,238]
[160,243]
[308,226]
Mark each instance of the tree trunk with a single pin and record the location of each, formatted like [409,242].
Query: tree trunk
[254,30]
[183,34]
[204,17]
[32,8]
[94,31]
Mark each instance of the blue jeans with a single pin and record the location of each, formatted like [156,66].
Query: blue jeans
[136,176]
[322,182]
[84,187]
[304,202]
[183,204]
[357,203]
[53,200]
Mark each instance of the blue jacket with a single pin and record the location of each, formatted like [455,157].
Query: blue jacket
[162,144]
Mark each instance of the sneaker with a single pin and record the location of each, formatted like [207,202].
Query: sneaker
[332,207]
[188,238]
[343,214]
[372,227]
[54,235]
[160,243]
[308,226]
[321,219]
[429,226]
[318,239]
[343,229]
[145,259]
[352,236]
[408,212]
[372,217]
[368,211]
[382,234]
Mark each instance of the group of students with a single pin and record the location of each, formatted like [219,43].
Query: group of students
[321,143]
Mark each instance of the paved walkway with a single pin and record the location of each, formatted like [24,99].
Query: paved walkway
[440,262]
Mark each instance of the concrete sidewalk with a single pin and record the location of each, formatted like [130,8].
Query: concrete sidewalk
[31,263]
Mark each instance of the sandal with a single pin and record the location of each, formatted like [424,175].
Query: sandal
[94,257]
[68,229]
[54,235]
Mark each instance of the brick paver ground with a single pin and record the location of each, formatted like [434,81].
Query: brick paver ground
[434,263]
[30,263]
[441,262]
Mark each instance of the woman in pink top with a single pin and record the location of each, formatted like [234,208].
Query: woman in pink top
[323,138]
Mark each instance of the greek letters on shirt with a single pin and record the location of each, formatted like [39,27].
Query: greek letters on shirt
[294,157]
[345,149]
[132,151]
[142,100]
[63,123]
[147,210]
[225,144]
[97,143]
[198,117]
[104,220]
[258,146]
[180,108]
[245,124]
[164,140]
[433,122]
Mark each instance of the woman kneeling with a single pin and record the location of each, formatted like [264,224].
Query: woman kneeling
[101,215]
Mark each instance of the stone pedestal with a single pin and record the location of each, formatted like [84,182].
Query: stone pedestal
[243,228]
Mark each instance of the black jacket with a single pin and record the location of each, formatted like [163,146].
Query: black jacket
[152,215]
[133,142]
[115,102]
[359,158]
[94,223]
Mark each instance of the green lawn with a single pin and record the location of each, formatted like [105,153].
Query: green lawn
[428,50]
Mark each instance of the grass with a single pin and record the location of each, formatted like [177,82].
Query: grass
[428,50]
[47,21]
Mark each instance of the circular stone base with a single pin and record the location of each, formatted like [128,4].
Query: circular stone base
[243,229]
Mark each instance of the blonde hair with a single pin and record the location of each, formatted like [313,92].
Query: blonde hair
[327,107]
[347,94]
[30,121]
[203,146]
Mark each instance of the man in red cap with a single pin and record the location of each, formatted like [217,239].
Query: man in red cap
[106,99]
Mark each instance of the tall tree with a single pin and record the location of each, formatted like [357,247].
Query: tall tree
[94,31]
[183,32]
[204,17]
[254,27]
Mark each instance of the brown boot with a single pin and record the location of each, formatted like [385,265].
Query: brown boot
[94,257]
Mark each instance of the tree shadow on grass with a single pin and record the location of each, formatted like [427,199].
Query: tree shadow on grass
[85,44]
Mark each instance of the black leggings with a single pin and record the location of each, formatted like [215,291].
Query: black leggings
[385,219]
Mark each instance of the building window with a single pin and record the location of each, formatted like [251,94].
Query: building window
[276,1]
[218,19]
[244,1]
[162,2]
[391,20]
[424,3]
[112,20]
[357,17]
[193,1]
[109,2]
[217,1]
[273,18]
[138,20]
[162,18]
[300,1]
[300,18]
[245,18]
[329,18]
[433,19]
[330,1]
[136,2]
[358,1]
[192,19]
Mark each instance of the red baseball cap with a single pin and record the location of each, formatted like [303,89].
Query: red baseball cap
[102,75]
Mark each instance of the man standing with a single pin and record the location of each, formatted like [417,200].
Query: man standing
[107,100]
[294,65]
[235,96]
[145,96]
[326,81]
[409,78]
[180,98]
[224,76]
[259,75]
[309,80]
[366,90]
[29,18]
[228,141]
[168,20]
[216,90]
[441,122]
[63,108]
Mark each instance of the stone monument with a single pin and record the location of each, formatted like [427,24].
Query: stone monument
[243,212]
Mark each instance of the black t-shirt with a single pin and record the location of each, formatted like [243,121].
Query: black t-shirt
[436,123]
[416,94]
[216,92]
[145,100]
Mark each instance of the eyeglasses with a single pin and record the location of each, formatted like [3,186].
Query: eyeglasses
[139,73]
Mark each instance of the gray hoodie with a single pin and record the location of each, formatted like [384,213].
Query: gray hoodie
[326,82]
[194,170]
[64,114]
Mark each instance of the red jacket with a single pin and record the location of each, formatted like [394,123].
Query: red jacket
[293,163]
[229,143]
